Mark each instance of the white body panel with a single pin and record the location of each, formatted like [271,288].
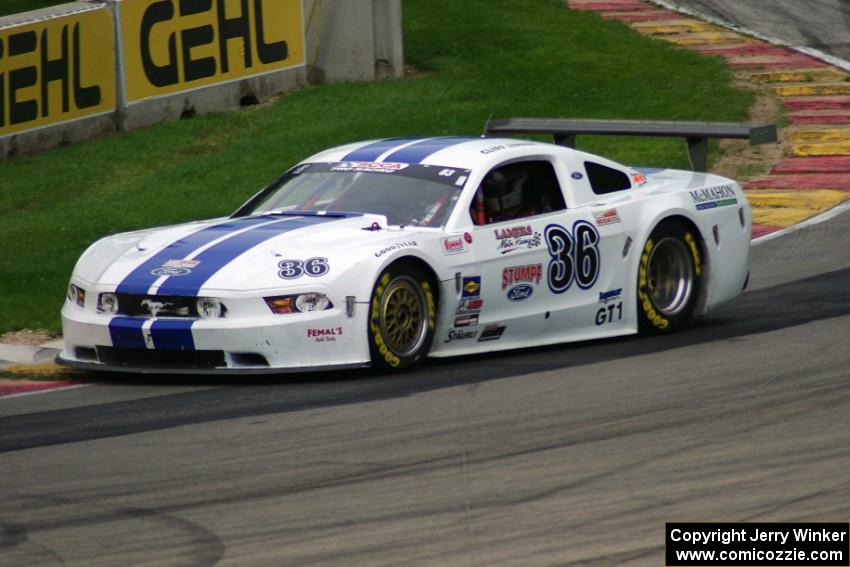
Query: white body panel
[506,297]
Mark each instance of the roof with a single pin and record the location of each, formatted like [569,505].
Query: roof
[462,152]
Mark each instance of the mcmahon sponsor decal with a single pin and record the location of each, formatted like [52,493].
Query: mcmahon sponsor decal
[713,197]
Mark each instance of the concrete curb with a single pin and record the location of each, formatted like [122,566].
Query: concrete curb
[26,355]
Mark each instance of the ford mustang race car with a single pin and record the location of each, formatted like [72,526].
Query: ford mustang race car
[386,252]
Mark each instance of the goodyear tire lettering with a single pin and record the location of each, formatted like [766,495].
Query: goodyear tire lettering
[646,303]
[649,318]
[382,353]
[695,251]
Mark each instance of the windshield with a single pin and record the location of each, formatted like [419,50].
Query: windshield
[407,194]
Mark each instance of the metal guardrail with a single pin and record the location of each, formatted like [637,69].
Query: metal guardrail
[697,134]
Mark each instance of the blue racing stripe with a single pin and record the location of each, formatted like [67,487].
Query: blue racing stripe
[126,332]
[141,279]
[172,334]
[421,150]
[217,257]
[373,151]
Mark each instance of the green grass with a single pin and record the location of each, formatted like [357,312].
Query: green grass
[15,6]
[479,57]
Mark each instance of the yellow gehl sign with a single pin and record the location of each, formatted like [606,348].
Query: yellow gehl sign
[56,70]
[175,45]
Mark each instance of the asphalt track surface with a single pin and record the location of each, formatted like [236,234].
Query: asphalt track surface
[818,24]
[571,455]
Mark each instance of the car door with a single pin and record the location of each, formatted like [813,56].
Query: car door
[516,208]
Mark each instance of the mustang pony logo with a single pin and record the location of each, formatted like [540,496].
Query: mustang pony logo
[154,307]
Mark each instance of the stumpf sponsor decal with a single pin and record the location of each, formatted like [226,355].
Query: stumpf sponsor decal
[531,273]
[713,197]
[516,237]
[520,292]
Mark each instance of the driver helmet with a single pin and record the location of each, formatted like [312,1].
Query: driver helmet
[503,192]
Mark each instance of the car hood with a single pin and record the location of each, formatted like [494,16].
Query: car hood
[239,255]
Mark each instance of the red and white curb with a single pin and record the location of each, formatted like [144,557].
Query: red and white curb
[22,362]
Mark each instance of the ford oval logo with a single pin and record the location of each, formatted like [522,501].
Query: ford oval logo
[171,272]
[520,292]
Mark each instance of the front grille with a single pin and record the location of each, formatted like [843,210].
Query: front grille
[177,359]
[163,305]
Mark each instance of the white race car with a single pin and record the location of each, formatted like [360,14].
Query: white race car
[386,252]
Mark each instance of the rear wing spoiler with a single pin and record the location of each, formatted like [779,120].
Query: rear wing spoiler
[697,134]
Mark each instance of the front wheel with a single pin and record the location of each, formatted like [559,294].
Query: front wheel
[669,279]
[402,318]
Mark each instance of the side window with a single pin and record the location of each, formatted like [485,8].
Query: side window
[515,191]
[605,180]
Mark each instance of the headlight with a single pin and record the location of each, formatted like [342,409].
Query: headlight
[307,302]
[107,303]
[301,303]
[210,308]
[77,295]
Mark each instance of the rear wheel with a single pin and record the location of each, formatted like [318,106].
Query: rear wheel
[669,278]
[402,318]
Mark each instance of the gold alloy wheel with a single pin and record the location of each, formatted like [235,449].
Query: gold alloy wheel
[671,276]
[403,316]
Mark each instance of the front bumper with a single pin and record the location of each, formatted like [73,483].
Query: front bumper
[222,371]
[252,345]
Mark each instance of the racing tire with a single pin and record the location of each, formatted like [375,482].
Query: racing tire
[402,319]
[669,278]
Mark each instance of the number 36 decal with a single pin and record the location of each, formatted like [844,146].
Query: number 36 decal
[292,269]
[575,257]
